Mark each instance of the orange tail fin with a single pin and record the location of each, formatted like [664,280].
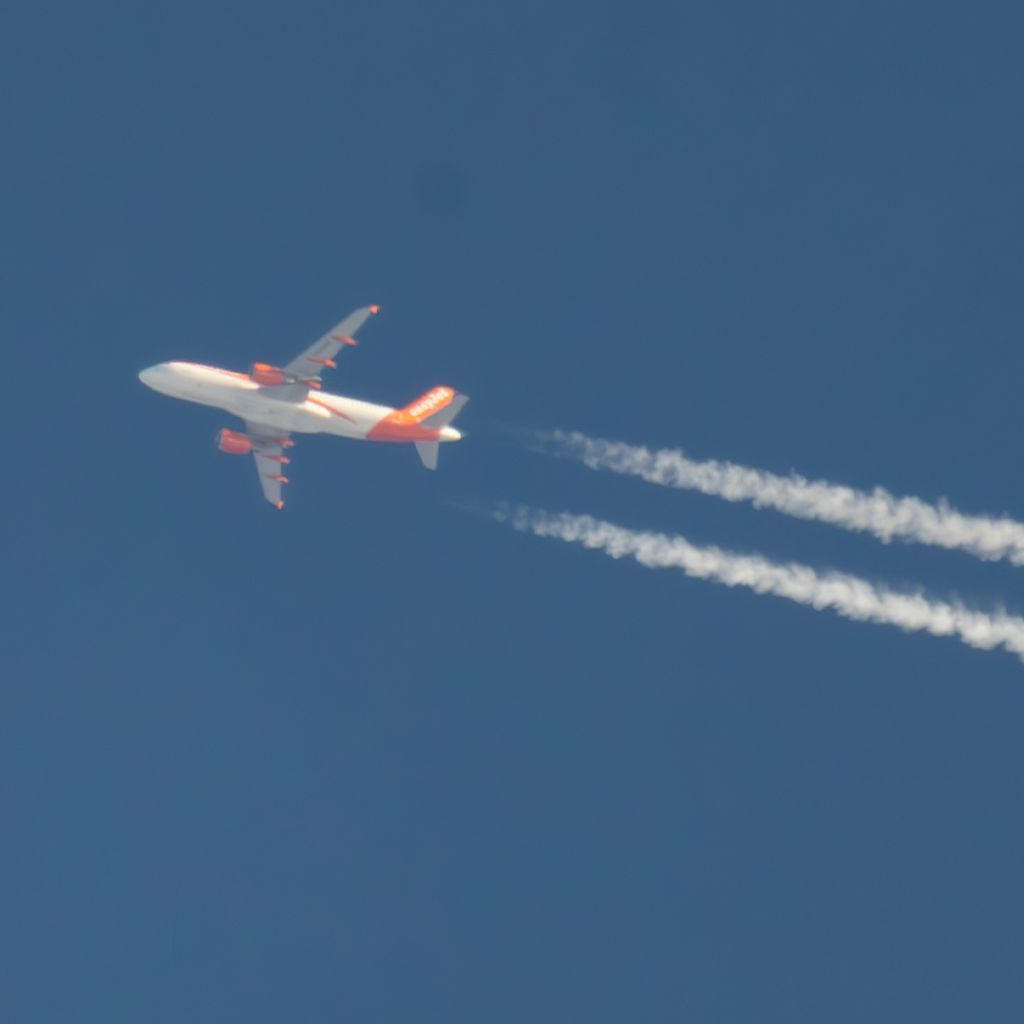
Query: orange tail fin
[426,405]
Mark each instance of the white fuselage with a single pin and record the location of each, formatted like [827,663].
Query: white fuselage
[316,413]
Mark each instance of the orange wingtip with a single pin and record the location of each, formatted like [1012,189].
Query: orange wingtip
[375,309]
[279,505]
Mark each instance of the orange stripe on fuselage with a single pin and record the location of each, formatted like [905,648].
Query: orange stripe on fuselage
[329,408]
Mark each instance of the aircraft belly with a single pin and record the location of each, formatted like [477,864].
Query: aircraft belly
[316,414]
[287,416]
[204,393]
[343,428]
[345,417]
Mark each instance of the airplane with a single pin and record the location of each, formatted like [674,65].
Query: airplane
[276,402]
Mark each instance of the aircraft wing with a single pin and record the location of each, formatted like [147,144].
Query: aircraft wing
[320,355]
[268,452]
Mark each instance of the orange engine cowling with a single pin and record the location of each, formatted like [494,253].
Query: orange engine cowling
[266,375]
[234,443]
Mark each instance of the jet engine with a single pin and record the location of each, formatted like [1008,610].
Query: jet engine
[234,443]
[268,376]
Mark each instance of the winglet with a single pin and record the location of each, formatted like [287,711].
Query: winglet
[279,505]
[375,309]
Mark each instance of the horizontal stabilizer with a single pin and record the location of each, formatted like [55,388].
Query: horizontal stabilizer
[427,451]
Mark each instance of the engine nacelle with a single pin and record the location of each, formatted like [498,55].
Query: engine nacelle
[268,376]
[233,443]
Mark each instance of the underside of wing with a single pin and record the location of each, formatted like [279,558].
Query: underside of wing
[320,355]
[268,453]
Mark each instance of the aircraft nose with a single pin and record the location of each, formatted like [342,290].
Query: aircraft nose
[150,375]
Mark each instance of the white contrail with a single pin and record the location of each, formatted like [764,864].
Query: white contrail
[877,512]
[849,596]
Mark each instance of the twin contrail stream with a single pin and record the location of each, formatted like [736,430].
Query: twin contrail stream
[877,512]
[849,596]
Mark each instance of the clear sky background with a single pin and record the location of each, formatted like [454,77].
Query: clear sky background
[376,758]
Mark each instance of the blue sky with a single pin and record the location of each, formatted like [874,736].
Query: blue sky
[376,757]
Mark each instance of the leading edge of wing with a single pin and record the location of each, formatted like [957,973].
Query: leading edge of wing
[311,363]
[268,454]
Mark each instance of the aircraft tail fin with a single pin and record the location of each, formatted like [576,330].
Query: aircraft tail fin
[420,410]
[428,450]
[444,416]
